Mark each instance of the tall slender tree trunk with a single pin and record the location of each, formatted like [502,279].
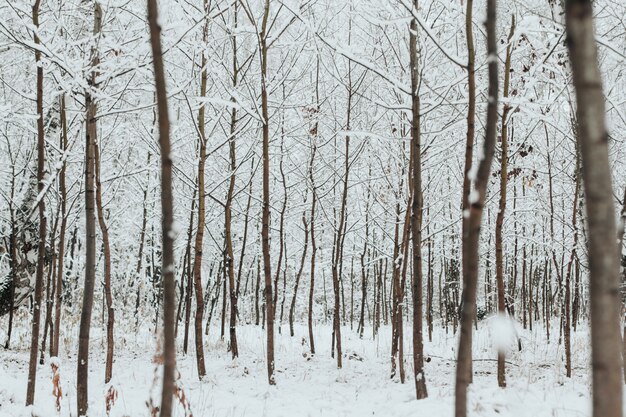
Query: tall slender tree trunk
[292,307]
[567,333]
[606,345]
[12,250]
[476,205]
[61,251]
[108,369]
[189,273]
[167,217]
[502,203]
[314,133]
[230,257]
[469,150]
[41,250]
[416,214]
[197,264]
[620,242]
[265,229]
[82,392]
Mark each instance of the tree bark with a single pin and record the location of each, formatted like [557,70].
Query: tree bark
[108,369]
[197,264]
[469,149]
[416,214]
[61,252]
[502,203]
[606,347]
[476,205]
[265,229]
[82,392]
[167,217]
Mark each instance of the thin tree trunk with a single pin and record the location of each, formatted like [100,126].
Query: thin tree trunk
[568,277]
[292,307]
[61,252]
[477,203]
[469,149]
[606,345]
[230,257]
[502,204]
[314,133]
[416,214]
[197,264]
[32,364]
[82,392]
[189,274]
[167,217]
[108,369]
[265,230]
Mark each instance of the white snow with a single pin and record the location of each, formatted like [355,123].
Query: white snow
[313,386]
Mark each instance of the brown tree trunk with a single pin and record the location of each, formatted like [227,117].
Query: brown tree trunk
[502,203]
[108,369]
[32,364]
[167,217]
[265,230]
[197,264]
[82,395]
[50,288]
[292,307]
[568,277]
[469,149]
[12,250]
[620,241]
[142,239]
[606,345]
[230,257]
[61,252]
[189,274]
[314,134]
[416,214]
[338,246]
[476,205]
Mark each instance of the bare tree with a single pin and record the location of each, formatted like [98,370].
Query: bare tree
[32,364]
[504,144]
[106,247]
[265,228]
[197,262]
[416,213]
[230,257]
[603,257]
[82,374]
[476,206]
[167,217]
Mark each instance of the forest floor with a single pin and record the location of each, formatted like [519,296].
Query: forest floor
[314,386]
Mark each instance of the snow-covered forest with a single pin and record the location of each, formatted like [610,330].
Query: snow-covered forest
[312,207]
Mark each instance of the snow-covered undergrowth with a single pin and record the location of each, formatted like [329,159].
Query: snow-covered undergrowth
[313,386]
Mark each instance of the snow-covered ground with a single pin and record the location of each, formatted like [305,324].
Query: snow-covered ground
[314,386]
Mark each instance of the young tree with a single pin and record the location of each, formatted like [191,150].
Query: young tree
[504,144]
[82,374]
[603,257]
[477,203]
[167,216]
[106,248]
[32,364]
[197,262]
[230,257]
[265,228]
[416,213]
